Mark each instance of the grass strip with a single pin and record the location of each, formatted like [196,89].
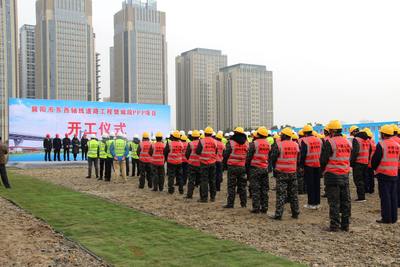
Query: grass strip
[125,237]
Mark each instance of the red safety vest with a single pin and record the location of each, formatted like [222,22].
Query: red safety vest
[373,148]
[144,151]
[175,152]
[208,155]
[220,151]
[339,162]
[185,145]
[238,154]
[260,157]
[313,145]
[158,154]
[362,156]
[194,159]
[390,159]
[287,160]
[397,140]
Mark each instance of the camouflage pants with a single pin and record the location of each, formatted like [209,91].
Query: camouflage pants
[359,174]
[259,184]
[339,202]
[208,174]
[174,170]
[302,186]
[286,182]
[145,174]
[194,174]
[158,177]
[236,177]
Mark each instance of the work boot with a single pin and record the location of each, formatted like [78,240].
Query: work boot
[88,176]
[187,197]
[255,211]
[228,206]
[278,218]
[295,216]
[213,200]
[101,178]
[345,228]
[263,210]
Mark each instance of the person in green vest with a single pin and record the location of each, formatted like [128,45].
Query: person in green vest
[225,139]
[119,151]
[190,138]
[134,155]
[128,158]
[109,160]
[102,154]
[271,141]
[93,155]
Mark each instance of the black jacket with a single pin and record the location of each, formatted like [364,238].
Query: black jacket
[66,142]
[57,143]
[84,142]
[47,144]
[356,148]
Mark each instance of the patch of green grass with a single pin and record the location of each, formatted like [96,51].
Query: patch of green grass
[124,237]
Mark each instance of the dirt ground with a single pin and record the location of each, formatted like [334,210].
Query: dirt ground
[367,244]
[29,241]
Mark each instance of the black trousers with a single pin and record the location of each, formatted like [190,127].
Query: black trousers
[57,154]
[3,174]
[109,163]
[135,163]
[102,163]
[84,152]
[127,166]
[66,153]
[47,155]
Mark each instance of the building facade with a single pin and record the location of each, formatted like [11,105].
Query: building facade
[98,82]
[64,50]
[9,62]
[243,96]
[194,87]
[27,61]
[111,72]
[140,54]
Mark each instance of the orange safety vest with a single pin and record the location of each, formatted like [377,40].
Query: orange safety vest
[158,154]
[397,140]
[339,162]
[194,159]
[390,159]
[144,151]
[362,156]
[373,148]
[175,152]
[287,160]
[220,151]
[260,157]
[313,145]
[238,154]
[185,145]
[208,155]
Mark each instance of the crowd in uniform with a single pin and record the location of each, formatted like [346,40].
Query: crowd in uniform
[298,161]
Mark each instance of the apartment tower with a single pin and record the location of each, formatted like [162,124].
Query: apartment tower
[27,61]
[194,87]
[140,54]
[243,96]
[64,46]
[98,82]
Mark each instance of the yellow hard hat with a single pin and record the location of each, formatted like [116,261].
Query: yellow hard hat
[366,130]
[322,136]
[326,128]
[301,132]
[295,137]
[202,136]
[345,136]
[276,136]
[335,125]
[183,137]
[352,128]
[145,135]
[219,136]
[159,134]
[239,130]
[387,129]
[287,131]
[395,127]
[208,130]
[255,134]
[195,133]
[307,128]
[262,131]
[319,135]
[370,134]
[314,133]
[176,134]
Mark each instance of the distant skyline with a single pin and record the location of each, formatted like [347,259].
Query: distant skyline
[331,60]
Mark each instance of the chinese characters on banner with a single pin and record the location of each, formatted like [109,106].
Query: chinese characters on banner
[94,111]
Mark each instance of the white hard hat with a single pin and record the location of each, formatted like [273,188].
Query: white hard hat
[226,135]
[201,132]
[119,134]
[231,133]
[182,133]
[124,136]
[171,132]
[104,136]
[136,136]
[168,136]
[220,132]
[112,134]
[269,132]
[253,131]
[190,133]
[274,133]
[153,138]
[214,134]
[93,136]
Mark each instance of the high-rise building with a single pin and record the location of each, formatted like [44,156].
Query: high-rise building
[64,48]
[140,54]
[243,96]
[111,72]
[98,77]
[27,61]
[9,63]
[194,87]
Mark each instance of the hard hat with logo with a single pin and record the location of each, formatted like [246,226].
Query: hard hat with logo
[307,128]
[104,136]
[176,134]
[387,129]
[195,134]
[120,134]
[159,134]
[208,130]
[395,127]
[335,125]
[183,137]
[287,131]
[352,128]
[295,137]
[145,135]
[112,134]
[219,136]
[263,131]
[93,136]
[239,130]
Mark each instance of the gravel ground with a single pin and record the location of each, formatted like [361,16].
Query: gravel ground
[29,241]
[367,244]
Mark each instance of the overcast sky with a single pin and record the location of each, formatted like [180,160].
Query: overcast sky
[330,59]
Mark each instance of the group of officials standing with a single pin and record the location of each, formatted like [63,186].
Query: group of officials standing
[67,145]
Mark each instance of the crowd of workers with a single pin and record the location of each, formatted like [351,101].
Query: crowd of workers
[298,162]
